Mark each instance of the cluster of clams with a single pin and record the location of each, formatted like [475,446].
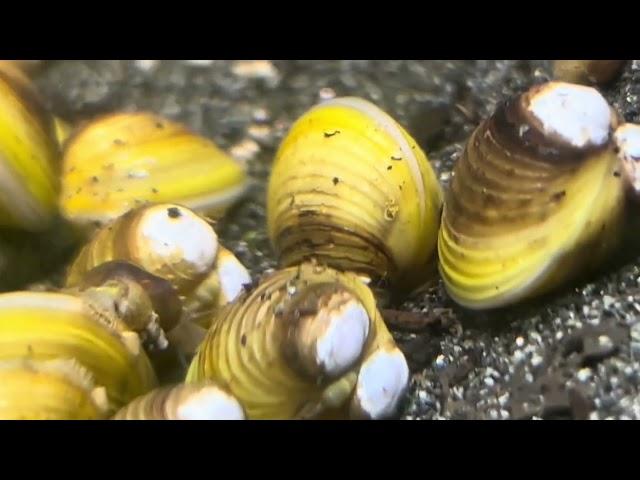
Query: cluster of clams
[541,195]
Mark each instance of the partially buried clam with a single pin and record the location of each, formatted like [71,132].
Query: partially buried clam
[536,198]
[120,161]
[352,189]
[307,342]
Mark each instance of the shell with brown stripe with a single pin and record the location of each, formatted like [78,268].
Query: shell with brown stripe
[351,189]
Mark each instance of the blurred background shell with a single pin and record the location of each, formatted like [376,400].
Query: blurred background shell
[352,189]
[119,161]
[535,200]
[29,154]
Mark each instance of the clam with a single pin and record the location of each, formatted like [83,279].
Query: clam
[120,161]
[47,326]
[536,198]
[174,244]
[307,342]
[351,189]
[29,155]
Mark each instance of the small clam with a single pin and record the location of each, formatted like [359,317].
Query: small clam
[306,342]
[184,402]
[351,188]
[120,161]
[175,244]
[166,240]
[536,198]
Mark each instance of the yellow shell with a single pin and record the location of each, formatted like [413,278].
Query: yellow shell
[535,200]
[294,346]
[49,390]
[167,240]
[184,402]
[352,189]
[29,155]
[55,326]
[117,162]
[172,243]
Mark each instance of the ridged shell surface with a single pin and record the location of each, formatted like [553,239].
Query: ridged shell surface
[245,350]
[52,326]
[123,160]
[352,189]
[526,210]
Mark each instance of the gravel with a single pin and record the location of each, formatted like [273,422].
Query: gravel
[574,354]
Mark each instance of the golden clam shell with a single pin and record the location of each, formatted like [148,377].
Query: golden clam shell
[55,326]
[172,243]
[167,240]
[297,346]
[120,161]
[29,155]
[351,188]
[535,200]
